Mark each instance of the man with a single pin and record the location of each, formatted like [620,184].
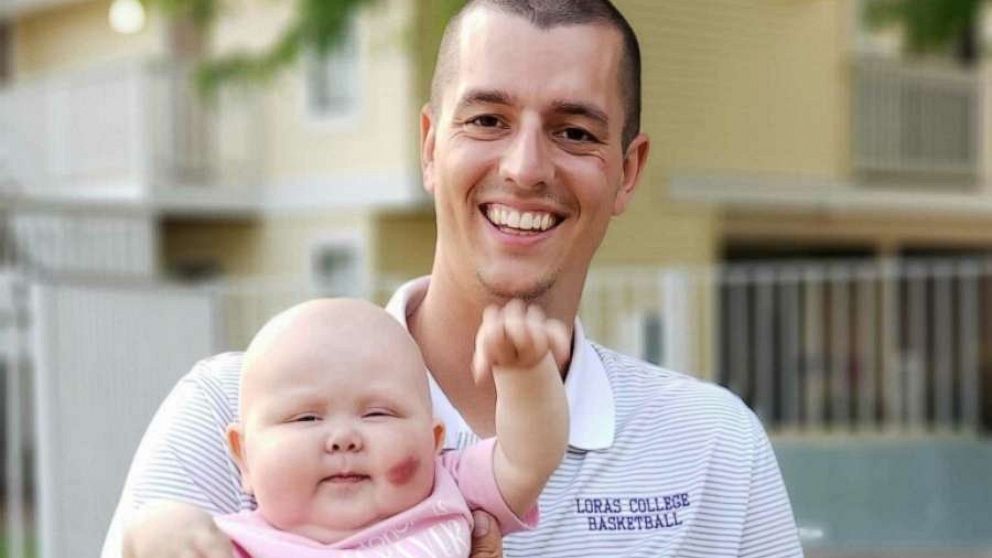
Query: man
[530,145]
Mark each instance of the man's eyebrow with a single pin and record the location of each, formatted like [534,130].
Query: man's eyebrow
[484,97]
[581,109]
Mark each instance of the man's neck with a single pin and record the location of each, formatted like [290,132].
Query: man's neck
[444,326]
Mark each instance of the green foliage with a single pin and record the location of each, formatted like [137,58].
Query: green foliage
[449,7]
[434,16]
[316,25]
[930,25]
[202,12]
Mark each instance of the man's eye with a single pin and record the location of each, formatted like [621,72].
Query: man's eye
[577,134]
[485,121]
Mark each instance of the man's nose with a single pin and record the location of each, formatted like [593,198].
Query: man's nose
[526,162]
[344,438]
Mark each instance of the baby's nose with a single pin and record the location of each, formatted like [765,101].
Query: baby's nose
[344,439]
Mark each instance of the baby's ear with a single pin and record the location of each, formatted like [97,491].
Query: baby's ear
[438,435]
[235,445]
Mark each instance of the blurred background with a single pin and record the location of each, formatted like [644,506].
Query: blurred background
[814,231]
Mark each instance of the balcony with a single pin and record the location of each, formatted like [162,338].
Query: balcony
[917,143]
[129,134]
[916,123]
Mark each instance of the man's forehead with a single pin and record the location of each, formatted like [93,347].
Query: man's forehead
[488,31]
[506,52]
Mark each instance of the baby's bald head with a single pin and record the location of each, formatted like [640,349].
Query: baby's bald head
[342,337]
[332,390]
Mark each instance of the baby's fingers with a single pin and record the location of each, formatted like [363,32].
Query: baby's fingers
[482,360]
[525,328]
[494,345]
[538,341]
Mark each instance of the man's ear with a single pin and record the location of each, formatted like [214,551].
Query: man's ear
[235,445]
[427,135]
[633,165]
[438,436]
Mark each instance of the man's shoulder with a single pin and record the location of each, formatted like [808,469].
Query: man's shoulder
[221,368]
[640,388]
[216,380]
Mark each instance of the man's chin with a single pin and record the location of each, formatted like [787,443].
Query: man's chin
[505,286]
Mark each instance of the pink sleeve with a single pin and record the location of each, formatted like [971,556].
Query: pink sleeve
[472,469]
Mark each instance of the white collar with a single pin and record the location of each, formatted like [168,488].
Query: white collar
[587,387]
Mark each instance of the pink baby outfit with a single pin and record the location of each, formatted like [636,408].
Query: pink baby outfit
[437,527]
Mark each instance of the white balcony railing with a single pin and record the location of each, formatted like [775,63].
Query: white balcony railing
[125,132]
[911,120]
[79,243]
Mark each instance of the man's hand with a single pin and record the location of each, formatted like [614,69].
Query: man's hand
[486,540]
[518,337]
[173,530]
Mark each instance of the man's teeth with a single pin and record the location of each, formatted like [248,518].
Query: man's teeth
[526,221]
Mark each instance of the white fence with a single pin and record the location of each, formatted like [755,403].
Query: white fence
[908,119]
[105,355]
[847,346]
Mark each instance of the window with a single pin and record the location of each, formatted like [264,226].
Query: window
[332,80]
[337,267]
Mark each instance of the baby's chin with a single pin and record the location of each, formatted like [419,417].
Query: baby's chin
[334,524]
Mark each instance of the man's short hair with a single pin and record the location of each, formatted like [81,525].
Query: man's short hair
[545,14]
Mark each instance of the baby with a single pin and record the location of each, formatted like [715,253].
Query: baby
[338,444]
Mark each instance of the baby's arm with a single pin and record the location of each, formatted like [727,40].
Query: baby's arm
[518,346]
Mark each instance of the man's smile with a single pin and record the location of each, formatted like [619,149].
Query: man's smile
[515,221]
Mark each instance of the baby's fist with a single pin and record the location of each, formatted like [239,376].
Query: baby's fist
[517,337]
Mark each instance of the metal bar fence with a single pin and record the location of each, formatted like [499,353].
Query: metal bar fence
[835,346]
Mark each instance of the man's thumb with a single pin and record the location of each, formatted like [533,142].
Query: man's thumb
[486,539]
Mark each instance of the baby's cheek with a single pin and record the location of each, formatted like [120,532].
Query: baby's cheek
[401,473]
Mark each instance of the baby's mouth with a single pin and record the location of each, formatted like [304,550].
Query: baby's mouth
[346,478]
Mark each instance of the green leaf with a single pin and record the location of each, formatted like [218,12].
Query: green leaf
[929,25]
[316,25]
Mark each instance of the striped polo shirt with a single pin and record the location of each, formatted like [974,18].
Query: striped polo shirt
[659,464]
